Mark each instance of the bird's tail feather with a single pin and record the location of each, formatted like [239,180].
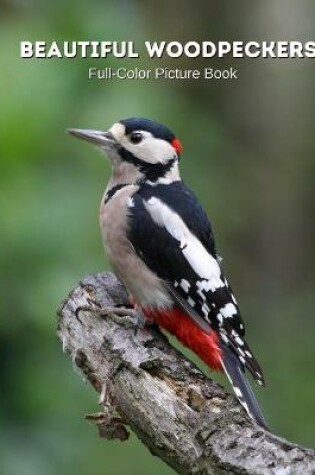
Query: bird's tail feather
[242,389]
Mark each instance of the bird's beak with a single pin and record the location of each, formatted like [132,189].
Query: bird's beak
[96,137]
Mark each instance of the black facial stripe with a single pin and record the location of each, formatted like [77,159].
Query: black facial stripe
[152,171]
[112,191]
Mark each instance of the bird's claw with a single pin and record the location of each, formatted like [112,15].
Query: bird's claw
[128,317]
[120,315]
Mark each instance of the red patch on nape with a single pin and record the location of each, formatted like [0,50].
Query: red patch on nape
[177,145]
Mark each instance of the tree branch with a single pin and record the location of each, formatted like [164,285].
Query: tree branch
[187,420]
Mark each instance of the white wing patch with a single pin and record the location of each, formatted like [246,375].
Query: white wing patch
[205,310]
[205,266]
[191,302]
[229,310]
[185,285]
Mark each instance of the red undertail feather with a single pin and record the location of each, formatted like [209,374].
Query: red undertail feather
[179,324]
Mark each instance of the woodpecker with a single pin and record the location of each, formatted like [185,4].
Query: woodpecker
[160,244]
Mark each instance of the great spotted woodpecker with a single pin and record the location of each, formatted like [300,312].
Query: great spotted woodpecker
[161,246]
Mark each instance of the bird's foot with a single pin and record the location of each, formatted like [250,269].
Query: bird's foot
[120,315]
[128,317]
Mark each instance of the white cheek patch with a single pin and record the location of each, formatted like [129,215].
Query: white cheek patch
[151,149]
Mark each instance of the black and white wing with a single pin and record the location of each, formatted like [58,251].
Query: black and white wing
[170,231]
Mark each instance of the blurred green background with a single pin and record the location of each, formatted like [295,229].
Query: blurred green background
[249,156]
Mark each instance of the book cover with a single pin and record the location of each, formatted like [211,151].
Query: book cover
[235,83]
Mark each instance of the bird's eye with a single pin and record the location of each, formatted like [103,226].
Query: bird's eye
[136,137]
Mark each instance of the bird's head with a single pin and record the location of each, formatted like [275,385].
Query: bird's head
[147,149]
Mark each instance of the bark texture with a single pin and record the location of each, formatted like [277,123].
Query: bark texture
[184,418]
